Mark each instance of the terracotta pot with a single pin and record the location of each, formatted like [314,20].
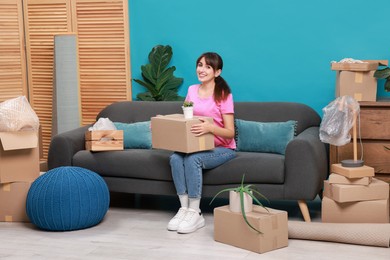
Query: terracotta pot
[235,204]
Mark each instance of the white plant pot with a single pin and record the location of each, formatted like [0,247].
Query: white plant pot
[188,112]
[235,204]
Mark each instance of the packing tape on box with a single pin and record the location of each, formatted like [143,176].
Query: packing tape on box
[6,187]
[358,77]
[358,96]
[8,219]
[202,143]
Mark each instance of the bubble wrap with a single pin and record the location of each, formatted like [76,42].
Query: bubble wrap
[338,120]
[17,115]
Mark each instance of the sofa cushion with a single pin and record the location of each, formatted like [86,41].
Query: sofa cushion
[136,135]
[271,137]
[132,163]
[153,164]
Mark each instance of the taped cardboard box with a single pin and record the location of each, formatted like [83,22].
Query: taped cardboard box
[357,79]
[353,172]
[230,228]
[369,211]
[335,178]
[173,132]
[361,85]
[376,190]
[13,201]
[19,156]
[104,140]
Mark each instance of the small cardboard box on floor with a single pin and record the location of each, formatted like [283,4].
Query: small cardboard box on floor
[230,228]
[357,79]
[104,140]
[173,132]
[19,156]
[13,201]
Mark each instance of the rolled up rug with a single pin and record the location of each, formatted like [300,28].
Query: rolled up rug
[351,233]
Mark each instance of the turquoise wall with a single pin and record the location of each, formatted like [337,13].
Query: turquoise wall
[278,50]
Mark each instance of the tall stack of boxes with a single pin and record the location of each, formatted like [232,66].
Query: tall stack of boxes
[353,195]
[19,167]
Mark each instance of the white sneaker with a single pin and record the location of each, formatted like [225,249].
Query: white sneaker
[175,221]
[192,221]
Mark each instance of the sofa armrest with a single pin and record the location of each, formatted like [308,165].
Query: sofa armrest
[306,165]
[63,146]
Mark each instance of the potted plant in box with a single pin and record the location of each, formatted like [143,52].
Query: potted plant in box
[188,109]
[246,195]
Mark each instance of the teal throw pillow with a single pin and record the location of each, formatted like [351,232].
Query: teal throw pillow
[267,137]
[136,135]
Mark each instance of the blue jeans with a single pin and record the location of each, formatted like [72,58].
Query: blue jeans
[187,169]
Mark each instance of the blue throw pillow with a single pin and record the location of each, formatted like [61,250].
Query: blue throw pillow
[267,137]
[136,135]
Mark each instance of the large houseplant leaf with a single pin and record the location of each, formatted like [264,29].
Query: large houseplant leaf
[159,80]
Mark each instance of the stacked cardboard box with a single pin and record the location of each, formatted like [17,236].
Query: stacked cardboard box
[19,167]
[230,228]
[357,79]
[352,195]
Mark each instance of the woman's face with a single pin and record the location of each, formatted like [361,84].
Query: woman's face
[205,72]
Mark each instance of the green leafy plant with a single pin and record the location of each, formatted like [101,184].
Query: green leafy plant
[158,78]
[188,104]
[251,191]
[384,74]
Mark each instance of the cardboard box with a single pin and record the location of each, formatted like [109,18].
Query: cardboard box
[335,178]
[370,211]
[365,66]
[173,132]
[357,79]
[104,140]
[353,172]
[19,156]
[376,190]
[361,85]
[230,228]
[13,201]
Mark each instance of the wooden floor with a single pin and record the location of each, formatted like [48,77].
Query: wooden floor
[135,228]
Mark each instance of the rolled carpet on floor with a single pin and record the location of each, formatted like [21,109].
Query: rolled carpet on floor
[360,234]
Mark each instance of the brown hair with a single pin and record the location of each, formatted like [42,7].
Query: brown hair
[222,89]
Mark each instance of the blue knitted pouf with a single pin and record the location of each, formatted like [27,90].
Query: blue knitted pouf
[67,198]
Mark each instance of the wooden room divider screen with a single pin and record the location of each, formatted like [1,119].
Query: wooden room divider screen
[27,29]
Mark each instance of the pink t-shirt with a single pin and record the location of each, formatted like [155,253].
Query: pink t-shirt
[208,107]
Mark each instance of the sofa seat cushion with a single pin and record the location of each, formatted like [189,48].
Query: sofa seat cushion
[154,164]
[258,168]
[132,163]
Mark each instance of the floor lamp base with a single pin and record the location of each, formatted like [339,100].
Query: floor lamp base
[352,163]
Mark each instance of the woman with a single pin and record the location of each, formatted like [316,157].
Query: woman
[211,98]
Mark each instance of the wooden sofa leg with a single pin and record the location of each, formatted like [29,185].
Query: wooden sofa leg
[305,210]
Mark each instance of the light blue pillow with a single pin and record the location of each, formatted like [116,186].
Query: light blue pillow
[136,135]
[267,137]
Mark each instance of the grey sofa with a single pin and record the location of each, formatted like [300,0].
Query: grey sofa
[297,175]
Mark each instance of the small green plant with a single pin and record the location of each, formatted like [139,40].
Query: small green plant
[251,191]
[188,104]
[384,74]
[158,78]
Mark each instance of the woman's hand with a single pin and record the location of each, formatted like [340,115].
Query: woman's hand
[202,128]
